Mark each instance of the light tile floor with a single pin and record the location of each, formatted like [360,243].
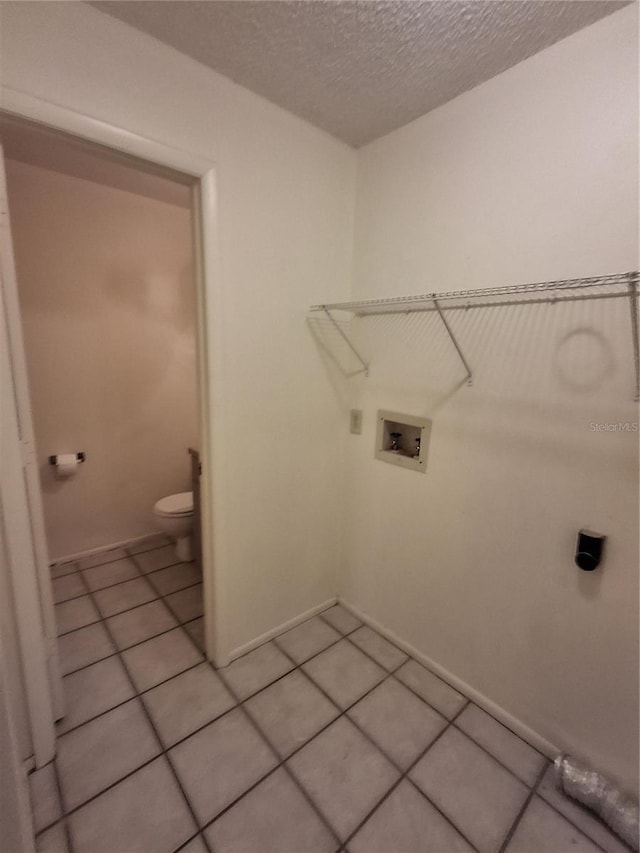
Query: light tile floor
[327,739]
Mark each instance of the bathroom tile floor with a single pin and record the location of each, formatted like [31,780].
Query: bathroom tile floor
[326,739]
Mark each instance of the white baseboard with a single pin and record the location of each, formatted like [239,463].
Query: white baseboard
[91,551]
[280,629]
[517,726]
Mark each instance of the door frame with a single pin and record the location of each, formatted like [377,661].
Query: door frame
[209,324]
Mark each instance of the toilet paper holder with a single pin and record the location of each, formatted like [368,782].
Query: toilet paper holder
[80,457]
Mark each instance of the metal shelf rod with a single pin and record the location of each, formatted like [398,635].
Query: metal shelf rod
[345,337]
[494,297]
[633,303]
[467,306]
[424,302]
[454,342]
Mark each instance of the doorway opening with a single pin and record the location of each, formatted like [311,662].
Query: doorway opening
[103,337]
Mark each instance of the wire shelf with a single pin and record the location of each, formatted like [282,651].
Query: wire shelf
[595,287]
[616,286]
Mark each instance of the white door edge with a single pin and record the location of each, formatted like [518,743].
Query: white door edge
[17,511]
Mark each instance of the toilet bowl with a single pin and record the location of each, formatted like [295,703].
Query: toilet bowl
[174,516]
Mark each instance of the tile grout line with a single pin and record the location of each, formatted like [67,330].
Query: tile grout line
[307,660]
[174,772]
[296,782]
[481,746]
[199,834]
[450,723]
[283,762]
[461,731]
[520,814]
[238,706]
[496,720]
[344,713]
[295,666]
[111,785]
[140,696]
[409,657]
[63,799]
[315,654]
[587,811]
[102,618]
[132,557]
[165,597]
[357,628]
[532,788]
[280,762]
[347,637]
[171,591]
[174,612]
[63,815]
[341,712]
[388,674]
[146,576]
[132,645]
[120,652]
[404,775]
[67,823]
[135,645]
[237,799]
[298,666]
[124,701]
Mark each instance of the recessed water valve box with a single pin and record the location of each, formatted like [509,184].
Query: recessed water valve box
[403,440]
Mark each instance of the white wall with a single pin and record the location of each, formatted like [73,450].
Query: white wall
[532,176]
[286,196]
[108,311]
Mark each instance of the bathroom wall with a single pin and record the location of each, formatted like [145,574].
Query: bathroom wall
[285,203]
[532,176]
[108,311]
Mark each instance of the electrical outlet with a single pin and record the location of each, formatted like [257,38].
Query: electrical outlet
[356,421]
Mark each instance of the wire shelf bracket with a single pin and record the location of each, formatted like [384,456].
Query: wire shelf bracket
[633,304]
[469,377]
[345,337]
[615,286]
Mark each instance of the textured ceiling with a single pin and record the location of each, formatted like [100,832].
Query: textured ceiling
[359,69]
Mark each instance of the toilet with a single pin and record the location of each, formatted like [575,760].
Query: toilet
[174,516]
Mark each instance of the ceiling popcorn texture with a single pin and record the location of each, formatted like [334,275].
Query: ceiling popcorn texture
[359,70]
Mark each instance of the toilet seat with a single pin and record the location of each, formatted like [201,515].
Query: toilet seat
[175,506]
